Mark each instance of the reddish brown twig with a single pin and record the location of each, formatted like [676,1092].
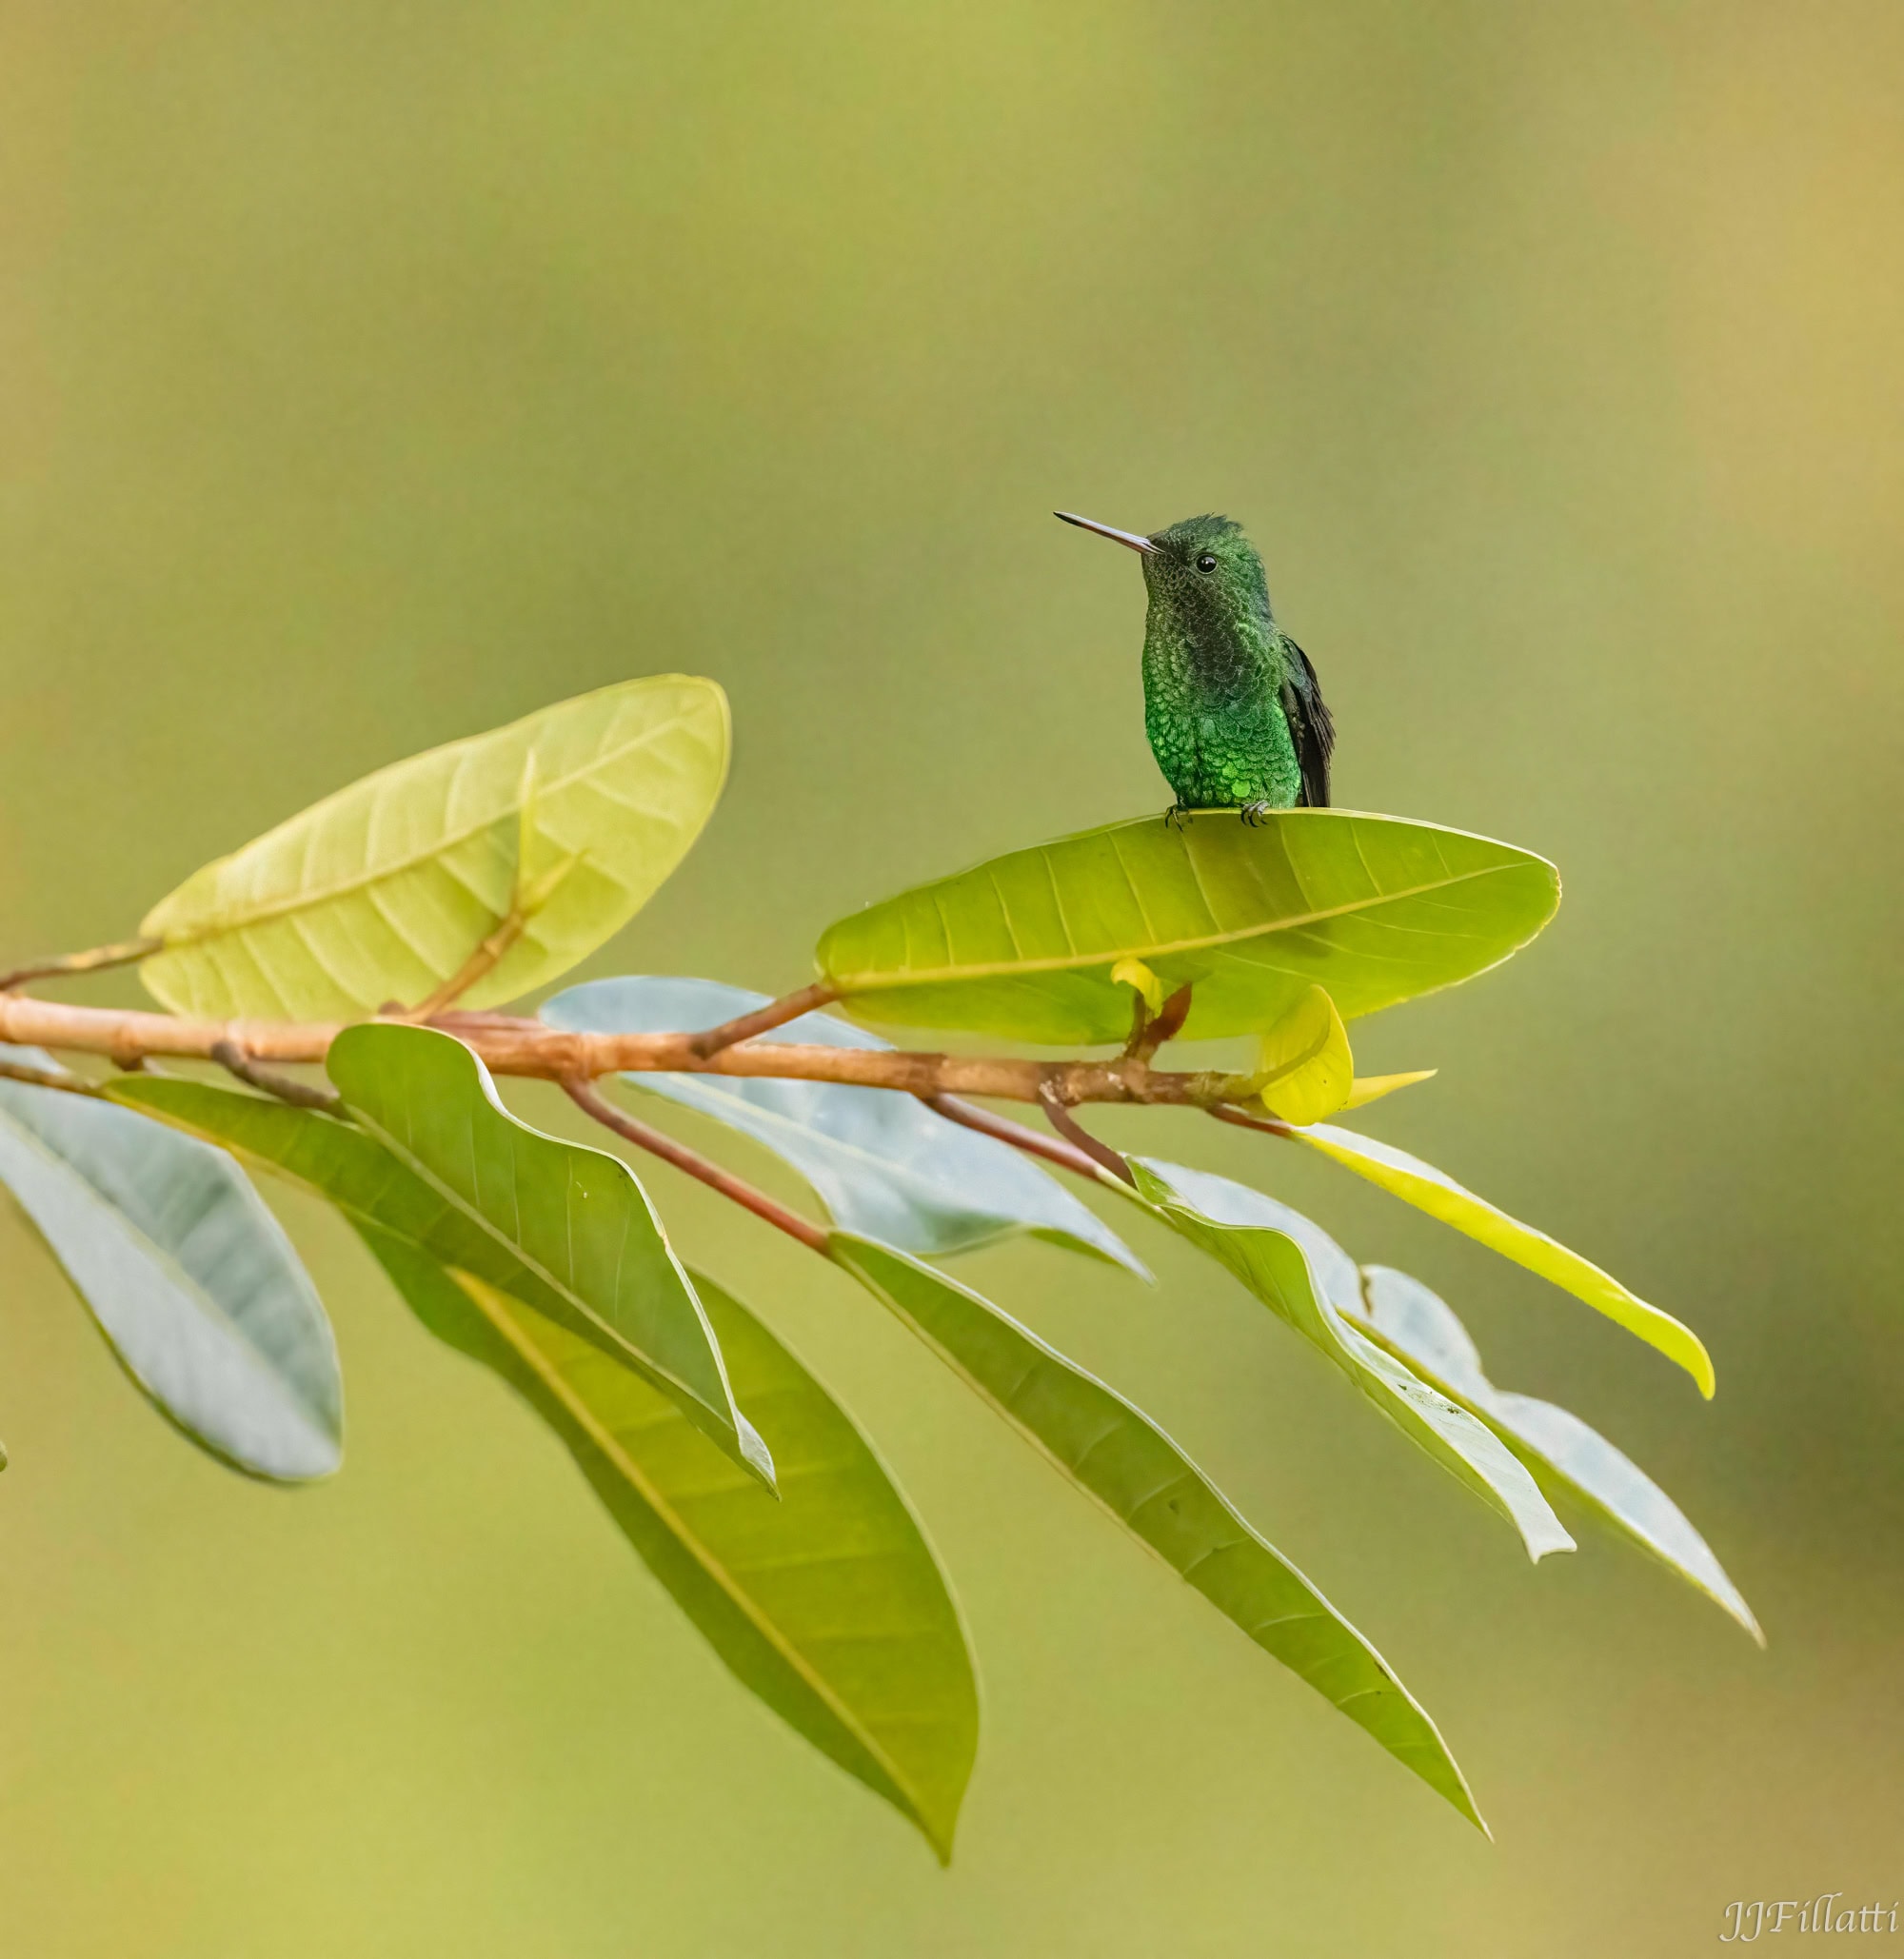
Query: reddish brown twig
[776,1013]
[592,1103]
[299,1094]
[1146,1040]
[1073,1130]
[1002,1129]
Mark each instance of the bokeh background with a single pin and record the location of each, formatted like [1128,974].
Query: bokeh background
[370,375]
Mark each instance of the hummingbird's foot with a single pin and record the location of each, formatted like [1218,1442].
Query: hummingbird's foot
[1176,816]
[1253,812]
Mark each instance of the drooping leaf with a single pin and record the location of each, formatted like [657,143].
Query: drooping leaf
[1374,908]
[884,1164]
[189,1277]
[1432,1191]
[668,1493]
[1303,1068]
[567,821]
[829,1605]
[577,1217]
[1423,1330]
[1307,1280]
[1120,1457]
[566,1229]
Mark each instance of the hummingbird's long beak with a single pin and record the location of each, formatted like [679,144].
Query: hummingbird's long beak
[1127,538]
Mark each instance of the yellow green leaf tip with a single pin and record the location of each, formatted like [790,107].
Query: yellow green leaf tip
[1371,1088]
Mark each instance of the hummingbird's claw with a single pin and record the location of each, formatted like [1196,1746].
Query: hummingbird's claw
[1253,812]
[1175,815]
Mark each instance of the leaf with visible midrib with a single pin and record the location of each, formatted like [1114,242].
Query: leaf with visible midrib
[884,1164]
[189,1277]
[1304,1278]
[894,1701]
[637,1307]
[1424,1331]
[385,890]
[829,1605]
[1435,1191]
[577,1217]
[1376,909]
[1117,1455]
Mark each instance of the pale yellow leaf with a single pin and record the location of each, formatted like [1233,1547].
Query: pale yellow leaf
[560,826]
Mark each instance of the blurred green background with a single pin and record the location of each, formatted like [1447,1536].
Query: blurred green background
[371,374]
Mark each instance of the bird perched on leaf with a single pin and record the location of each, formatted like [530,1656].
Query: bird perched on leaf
[1231,705]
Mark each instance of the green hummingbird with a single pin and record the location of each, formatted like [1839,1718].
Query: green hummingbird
[1231,703]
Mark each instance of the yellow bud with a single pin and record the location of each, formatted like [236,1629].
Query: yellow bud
[1304,1070]
[1134,973]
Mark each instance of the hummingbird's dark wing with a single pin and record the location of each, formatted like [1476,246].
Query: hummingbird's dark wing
[1311,726]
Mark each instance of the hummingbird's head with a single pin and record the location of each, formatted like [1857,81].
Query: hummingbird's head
[1202,570]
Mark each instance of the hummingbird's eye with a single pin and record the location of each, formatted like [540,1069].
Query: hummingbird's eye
[1206,563]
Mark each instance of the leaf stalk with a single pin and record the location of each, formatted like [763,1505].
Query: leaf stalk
[1079,1137]
[299,1094]
[98,960]
[592,1102]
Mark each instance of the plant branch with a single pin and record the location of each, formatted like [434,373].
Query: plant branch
[1145,1040]
[776,1013]
[97,961]
[509,1044]
[592,1103]
[1002,1129]
[1074,1132]
[1139,1021]
[299,1094]
[41,1077]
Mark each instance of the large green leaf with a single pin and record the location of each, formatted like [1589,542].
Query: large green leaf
[829,1605]
[1374,908]
[1304,1278]
[577,1217]
[1437,1193]
[883,1165]
[557,828]
[191,1279]
[1127,1464]
[1423,1330]
[615,1283]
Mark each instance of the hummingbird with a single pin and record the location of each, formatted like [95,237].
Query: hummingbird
[1231,703]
